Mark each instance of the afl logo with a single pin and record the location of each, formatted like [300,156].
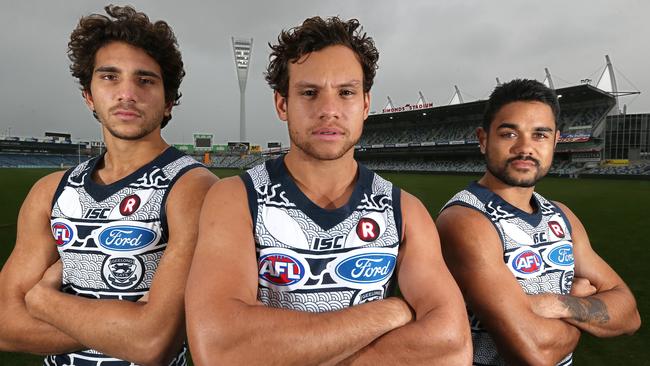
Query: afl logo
[527,262]
[366,268]
[367,229]
[62,233]
[129,204]
[280,269]
[561,255]
[556,228]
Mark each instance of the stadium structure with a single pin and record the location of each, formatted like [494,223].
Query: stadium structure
[597,138]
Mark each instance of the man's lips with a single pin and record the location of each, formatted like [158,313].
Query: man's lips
[523,163]
[126,114]
[327,133]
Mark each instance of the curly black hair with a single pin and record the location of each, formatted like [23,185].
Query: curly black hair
[315,34]
[127,25]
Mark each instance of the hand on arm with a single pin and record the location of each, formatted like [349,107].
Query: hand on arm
[34,252]
[611,310]
[474,254]
[226,323]
[440,332]
[145,332]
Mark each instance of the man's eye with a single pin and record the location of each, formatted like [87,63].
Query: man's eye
[309,93]
[540,136]
[108,77]
[146,81]
[346,92]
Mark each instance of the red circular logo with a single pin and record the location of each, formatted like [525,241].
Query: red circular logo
[367,229]
[129,205]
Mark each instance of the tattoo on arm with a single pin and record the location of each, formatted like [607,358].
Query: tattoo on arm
[586,309]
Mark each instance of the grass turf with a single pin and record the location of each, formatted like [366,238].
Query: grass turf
[614,212]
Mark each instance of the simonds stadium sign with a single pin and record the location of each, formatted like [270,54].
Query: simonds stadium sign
[408,107]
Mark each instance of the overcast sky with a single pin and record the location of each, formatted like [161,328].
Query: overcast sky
[427,46]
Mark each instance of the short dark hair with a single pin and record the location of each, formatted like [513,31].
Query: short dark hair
[315,34]
[520,90]
[127,25]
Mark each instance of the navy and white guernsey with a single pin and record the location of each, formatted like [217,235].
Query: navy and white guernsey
[537,249]
[317,260]
[112,237]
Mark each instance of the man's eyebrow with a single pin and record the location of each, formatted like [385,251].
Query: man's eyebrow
[307,84]
[137,72]
[543,129]
[507,125]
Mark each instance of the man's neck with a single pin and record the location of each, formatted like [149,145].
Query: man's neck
[519,197]
[327,183]
[124,157]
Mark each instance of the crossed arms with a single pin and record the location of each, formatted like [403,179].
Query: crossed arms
[226,323]
[37,318]
[533,329]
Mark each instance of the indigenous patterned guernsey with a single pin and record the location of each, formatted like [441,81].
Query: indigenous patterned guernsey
[537,249]
[111,237]
[315,259]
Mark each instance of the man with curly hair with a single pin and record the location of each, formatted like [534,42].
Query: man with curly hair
[98,272]
[297,258]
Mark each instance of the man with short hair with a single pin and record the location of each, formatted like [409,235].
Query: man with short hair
[102,253]
[530,278]
[297,257]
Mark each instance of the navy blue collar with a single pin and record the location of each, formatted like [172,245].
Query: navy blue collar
[486,195]
[325,218]
[100,192]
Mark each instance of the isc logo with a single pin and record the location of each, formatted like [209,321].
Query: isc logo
[97,213]
[328,243]
[62,233]
[280,269]
[527,262]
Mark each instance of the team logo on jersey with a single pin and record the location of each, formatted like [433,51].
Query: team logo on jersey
[367,229]
[368,296]
[280,269]
[556,228]
[62,232]
[122,273]
[527,262]
[97,213]
[129,205]
[561,255]
[126,237]
[366,268]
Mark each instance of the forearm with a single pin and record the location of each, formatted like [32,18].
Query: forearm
[606,314]
[23,333]
[234,333]
[121,329]
[440,339]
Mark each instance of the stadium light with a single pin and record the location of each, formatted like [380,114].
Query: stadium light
[242,48]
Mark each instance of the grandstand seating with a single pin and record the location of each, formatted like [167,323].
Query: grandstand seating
[22,160]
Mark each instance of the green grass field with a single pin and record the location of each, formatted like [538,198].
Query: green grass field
[614,212]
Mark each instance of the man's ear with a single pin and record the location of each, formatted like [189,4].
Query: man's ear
[88,98]
[482,139]
[280,105]
[366,105]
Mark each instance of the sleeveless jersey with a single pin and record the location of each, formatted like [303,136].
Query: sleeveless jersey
[111,237]
[315,259]
[537,249]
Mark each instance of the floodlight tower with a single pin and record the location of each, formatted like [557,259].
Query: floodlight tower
[242,47]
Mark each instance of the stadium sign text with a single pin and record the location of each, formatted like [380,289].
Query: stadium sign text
[408,107]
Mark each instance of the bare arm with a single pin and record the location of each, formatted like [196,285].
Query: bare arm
[34,252]
[474,254]
[611,311]
[148,332]
[440,333]
[226,323]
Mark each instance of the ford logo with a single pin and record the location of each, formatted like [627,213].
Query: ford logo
[527,262]
[126,238]
[561,255]
[280,269]
[366,268]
